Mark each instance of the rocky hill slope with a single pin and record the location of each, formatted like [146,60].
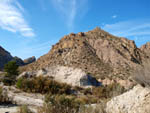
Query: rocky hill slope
[96,52]
[5,57]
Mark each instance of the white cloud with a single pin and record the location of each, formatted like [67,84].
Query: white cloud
[138,30]
[70,9]
[129,28]
[12,19]
[114,16]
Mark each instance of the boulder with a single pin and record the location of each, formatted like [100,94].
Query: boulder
[136,100]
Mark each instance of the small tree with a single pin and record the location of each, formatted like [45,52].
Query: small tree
[11,68]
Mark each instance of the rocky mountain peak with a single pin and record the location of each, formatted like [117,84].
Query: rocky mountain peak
[96,52]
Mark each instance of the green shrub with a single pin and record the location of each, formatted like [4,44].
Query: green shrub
[11,68]
[43,85]
[19,83]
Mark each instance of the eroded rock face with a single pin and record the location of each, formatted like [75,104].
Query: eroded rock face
[136,100]
[122,54]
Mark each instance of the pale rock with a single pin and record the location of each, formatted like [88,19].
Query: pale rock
[64,74]
[72,76]
[41,72]
[136,100]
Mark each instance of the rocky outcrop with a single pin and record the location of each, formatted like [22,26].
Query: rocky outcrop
[5,57]
[29,60]
[136,100]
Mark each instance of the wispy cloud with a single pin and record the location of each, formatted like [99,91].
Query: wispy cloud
[138,30]
[114,16]
[70,9]
[12,19]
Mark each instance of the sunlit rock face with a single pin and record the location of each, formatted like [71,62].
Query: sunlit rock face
[136,100]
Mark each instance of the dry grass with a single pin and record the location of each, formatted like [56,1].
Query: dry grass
[70,104]
[142,75]
[24,109]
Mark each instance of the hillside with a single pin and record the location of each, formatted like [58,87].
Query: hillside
[5,57]
[96,52]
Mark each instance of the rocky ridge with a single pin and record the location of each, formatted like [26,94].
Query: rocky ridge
[5,57]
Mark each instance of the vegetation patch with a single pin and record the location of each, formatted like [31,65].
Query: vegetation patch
[11,72]
[43,85]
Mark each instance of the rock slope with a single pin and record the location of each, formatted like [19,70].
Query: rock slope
[136,100]
[96,52]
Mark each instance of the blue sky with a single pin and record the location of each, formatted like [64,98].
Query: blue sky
[31,27]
